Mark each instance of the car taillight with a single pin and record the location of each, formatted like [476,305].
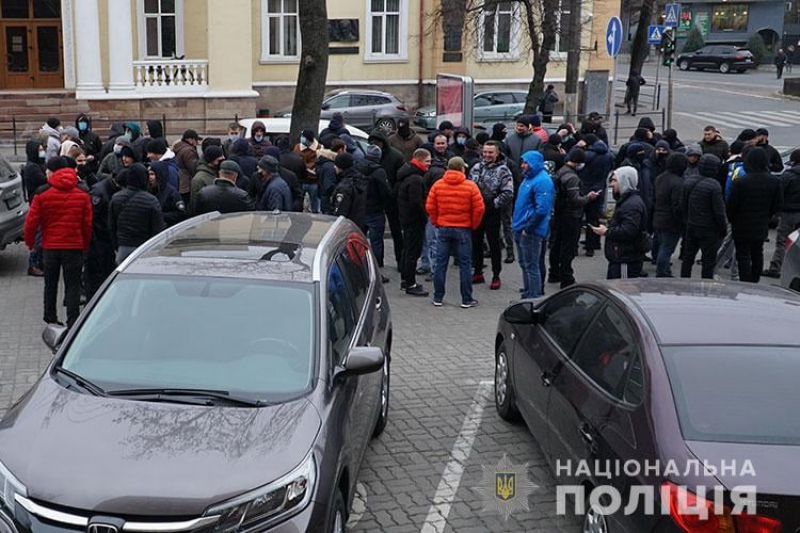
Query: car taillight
[738,57]
[685,507]
[402,108]
[790,240]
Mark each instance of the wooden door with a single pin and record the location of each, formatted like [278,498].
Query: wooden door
[31,52]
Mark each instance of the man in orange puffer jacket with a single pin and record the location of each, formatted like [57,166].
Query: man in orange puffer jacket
[455,207]
[64,213]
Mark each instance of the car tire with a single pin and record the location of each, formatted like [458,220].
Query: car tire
[594,521]
[383,417]
[338,519]
[795,285]
[387,125]
[683,65]
[504,397]
[724,68]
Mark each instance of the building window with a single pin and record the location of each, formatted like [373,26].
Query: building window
[729,17]
[281,30]
[387,22]
[160,28]
[499,29]
[562,36]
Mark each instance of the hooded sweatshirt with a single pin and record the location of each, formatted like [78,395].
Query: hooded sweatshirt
[33,175]
[535,199]
[668,211]
[629,220]
[53,141]
[172,205]
[91,141]
[64,213]
[263,144]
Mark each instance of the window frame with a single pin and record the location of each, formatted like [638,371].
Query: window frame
[334,360]
[402,48]
[514,38]
[141,23]
[715,8]
[266,57]
[562,296]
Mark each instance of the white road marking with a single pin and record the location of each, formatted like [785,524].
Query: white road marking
[359,505]
[706,88]
[778,119]
[454,470]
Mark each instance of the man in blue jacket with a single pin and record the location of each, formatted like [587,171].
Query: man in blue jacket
[531,221]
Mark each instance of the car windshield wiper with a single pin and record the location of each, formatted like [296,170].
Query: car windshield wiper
[182,395]
[80,382]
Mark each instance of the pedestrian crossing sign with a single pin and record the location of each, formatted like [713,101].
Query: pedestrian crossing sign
[672,15]
[654,34]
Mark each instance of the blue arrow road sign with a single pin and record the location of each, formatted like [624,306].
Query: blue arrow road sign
[614,36]
[673,15]
[654,34]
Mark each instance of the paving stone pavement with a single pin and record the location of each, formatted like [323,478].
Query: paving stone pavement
[441,357]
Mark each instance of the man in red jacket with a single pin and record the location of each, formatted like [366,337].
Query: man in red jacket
[64,213]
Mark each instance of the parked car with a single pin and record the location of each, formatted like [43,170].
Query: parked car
[659,372]
[490,106]
[790,269]
[364,109]
[227,377]
[13,207]
[280,126]
[724,58]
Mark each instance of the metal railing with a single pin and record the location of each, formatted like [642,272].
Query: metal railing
[628,130]
[188,76]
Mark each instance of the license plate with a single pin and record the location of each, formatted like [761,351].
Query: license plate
[14,202]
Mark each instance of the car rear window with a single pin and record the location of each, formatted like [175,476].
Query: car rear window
[249,337]
[741,394]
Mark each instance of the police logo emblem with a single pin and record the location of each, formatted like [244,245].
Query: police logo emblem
[505,485]
[505,488]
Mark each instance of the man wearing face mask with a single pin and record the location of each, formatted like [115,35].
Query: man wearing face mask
[92,144]
[660,156]
[460,136]
[158,185]
[232,137]
[187,157]
[624,231]
[259,140]
[112,163]
[568,214]
[405,139]
[207,169]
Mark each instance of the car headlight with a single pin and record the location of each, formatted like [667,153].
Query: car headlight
[269,504]
[10,486]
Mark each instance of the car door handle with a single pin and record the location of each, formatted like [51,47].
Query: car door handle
[378,302]
[547,379]
[586,434]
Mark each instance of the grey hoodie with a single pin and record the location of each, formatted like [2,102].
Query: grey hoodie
[628,179]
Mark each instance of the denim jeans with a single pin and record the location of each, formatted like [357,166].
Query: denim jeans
[376,226]
[428,259]
[529,249]
[312,189]
[457,241]
[667,242]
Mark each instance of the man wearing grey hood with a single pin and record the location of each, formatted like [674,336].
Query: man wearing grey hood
[624,234]
[693,154]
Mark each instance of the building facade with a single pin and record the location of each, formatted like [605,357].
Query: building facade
[734,22]
[212,58]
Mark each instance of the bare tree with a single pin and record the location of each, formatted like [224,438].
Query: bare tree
[639,48]
[310,90]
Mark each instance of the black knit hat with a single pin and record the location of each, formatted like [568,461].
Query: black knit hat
[343,161]
[212,153]
[708,166]
[57,163]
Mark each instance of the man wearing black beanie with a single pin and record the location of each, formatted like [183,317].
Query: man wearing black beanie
[755,198]
[207,168]
[134,214]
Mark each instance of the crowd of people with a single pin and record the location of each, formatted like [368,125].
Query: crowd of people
[454,194]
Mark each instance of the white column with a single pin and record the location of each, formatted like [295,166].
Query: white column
[87,39]
[120,47]
[68,43]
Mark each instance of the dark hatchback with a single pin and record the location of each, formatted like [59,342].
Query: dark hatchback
[668,373]
[724,58]
[228,377]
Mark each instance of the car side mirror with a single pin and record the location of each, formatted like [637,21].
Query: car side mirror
[325,107]
[523,313]
[362,360]
[53,335]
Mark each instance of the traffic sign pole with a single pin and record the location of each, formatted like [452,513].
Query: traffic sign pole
[613,45]
[669,100]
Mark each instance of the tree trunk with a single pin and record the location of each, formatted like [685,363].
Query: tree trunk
[541,50]
[640,47]
[573,61]
[313,72]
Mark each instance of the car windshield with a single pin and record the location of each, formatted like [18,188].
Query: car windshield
[249,338]
[743,394]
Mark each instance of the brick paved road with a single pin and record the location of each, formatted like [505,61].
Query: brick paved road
[441,358]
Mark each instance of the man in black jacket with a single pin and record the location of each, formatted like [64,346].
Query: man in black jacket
[349,199]
[755,198]
[567,220]
[625,229]
[704,209]
[667,213]
[134,214]
[790,214]
[773,156]
[411,193]
[92,145]
[379,195]
[172,205]
[594,176]
[391,161]
[291,179]
[100,261]
[223,195]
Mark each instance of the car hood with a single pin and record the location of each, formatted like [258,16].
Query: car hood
[123,457]
[777,468]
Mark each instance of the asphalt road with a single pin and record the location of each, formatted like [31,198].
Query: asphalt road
[425,473]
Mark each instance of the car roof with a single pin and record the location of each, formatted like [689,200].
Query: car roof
[282,126]
[360,91]
[254,245]
[491,91]
[683,311]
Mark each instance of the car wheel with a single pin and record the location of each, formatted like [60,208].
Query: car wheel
[683,65]
[387,125]
[724,68]
[503,388]
[338,519]
[383,418]
[795,285]
[594,521]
